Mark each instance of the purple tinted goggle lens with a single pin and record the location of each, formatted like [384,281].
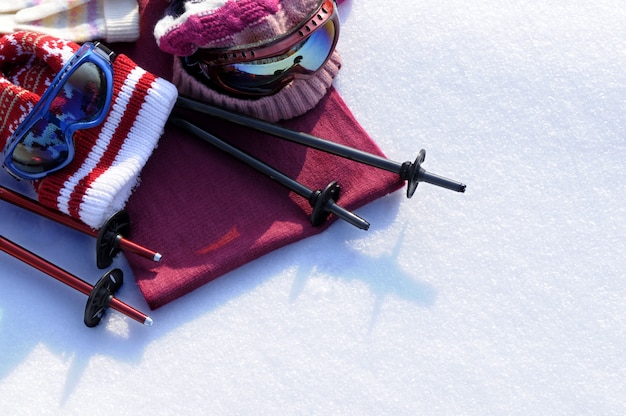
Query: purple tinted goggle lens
[78,98]
[265,69]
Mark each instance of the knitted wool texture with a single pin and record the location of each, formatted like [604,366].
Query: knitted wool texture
[190,25]
[296,98]
[108,158]
[76,20]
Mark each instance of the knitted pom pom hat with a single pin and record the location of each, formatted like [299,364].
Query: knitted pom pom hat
[108,158]
[189,25]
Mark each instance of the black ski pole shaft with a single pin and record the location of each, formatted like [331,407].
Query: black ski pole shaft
[412,172]
[323,202]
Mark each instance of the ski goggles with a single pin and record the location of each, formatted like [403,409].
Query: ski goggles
[79,97]
[264,68]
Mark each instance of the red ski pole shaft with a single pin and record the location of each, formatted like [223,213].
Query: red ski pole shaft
[33,206]
[69,279]
[142,251]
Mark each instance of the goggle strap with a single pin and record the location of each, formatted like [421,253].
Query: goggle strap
[237,55]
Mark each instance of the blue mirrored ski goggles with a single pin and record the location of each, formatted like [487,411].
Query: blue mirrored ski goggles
[79,97]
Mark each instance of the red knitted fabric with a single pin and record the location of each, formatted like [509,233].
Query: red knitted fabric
[208,213]
[108,158]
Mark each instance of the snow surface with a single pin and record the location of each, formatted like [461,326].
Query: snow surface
[506,300]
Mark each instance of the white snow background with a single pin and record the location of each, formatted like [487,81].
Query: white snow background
[506,300]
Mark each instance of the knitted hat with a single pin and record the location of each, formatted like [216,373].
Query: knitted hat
[108,158]
[298,97]
[189,25]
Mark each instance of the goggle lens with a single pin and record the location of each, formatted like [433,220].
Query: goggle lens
[41,149]
[258,76]
[80,101]
[83,95]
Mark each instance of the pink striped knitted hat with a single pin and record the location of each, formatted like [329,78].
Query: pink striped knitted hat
[189,25]
[108,158]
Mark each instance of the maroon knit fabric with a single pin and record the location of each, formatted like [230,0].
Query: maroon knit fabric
[208,213]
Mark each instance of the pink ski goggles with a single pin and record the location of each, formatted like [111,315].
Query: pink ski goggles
[264,68]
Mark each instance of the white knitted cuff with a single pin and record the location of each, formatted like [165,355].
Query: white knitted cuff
[111,191]
[121,20]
